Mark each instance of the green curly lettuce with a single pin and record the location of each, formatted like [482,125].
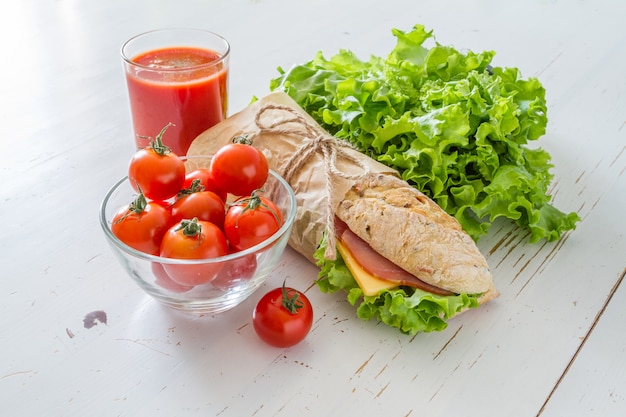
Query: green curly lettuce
[452,125]
[410,310]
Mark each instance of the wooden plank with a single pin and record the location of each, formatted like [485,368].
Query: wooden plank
[593,383]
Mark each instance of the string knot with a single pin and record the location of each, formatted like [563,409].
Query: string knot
[315,141]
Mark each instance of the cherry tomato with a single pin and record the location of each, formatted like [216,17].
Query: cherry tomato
[156,171]
[283,317]
[142,224]
[239,168]
[206,180]
[164,280]
[165,204]
[235,272]
[193,239]
[251,220]
[204,205]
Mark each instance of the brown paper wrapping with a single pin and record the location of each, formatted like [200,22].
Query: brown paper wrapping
[319,168]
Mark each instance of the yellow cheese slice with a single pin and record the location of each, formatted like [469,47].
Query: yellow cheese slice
[370,284]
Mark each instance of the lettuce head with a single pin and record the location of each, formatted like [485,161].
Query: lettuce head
[452,124]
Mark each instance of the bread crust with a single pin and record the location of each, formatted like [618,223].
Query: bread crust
[412,231]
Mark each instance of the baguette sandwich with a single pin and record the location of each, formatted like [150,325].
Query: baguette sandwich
[400,257]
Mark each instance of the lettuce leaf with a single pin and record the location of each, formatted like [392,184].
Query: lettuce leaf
[408,309]
[453,125]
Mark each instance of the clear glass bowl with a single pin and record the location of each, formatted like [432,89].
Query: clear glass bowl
[240,274]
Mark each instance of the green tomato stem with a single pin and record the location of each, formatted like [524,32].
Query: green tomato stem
[157,144]
[252,203]
[190,228]
[242,139]
[293,303]
[137,206]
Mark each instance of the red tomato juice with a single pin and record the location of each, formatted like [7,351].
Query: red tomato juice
[177,85]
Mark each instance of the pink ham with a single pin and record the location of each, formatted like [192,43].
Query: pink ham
[379,266]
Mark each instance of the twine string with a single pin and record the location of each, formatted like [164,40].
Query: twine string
[315,142]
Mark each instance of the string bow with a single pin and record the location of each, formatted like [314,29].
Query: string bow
[314,141]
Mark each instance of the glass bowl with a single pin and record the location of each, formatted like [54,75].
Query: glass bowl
[236,276]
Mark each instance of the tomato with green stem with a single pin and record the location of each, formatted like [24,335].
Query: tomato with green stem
[193,239]
[283,317]
[196,202]
[142,224]
[156,170]
[238,167]
[203,175]
[251,220]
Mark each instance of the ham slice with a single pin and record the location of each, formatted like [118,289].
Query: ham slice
[379,266]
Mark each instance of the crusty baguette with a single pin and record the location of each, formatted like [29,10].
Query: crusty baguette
[412,231]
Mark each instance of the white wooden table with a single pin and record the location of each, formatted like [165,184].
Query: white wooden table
[553,344]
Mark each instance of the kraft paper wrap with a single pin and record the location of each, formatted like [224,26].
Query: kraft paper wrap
[319,167]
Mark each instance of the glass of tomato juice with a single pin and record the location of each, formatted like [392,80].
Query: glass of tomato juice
[177,76]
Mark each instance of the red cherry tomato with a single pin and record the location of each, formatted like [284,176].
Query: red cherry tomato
[163,280]
[251,220]
[206,180]
[155,171]
[283,317]
[204,205]
[239,168]
[235,272]
[193,239]
[142,224]
[165,204]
